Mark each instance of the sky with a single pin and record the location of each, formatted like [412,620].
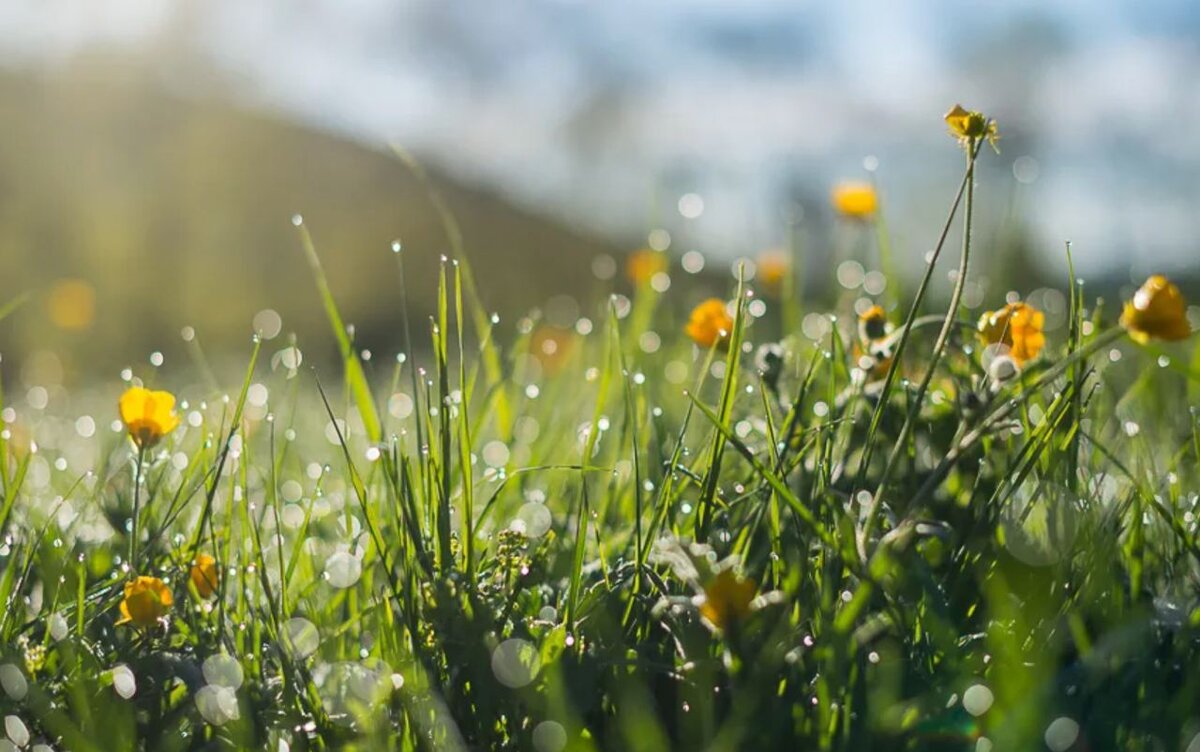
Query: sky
[607,113]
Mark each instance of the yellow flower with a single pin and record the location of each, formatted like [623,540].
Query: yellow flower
[1157,311]
[148,415]
[1017,326]
[773,268]
[204,575]
[727,598]
[641,266]
[871,352]
[969,125]
[709,323]
[552,346]
[855,200]
[71,304]
[873,324]
[147,599]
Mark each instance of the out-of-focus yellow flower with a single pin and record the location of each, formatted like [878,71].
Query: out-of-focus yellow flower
[709,323]
[148,415]
[1157,311]
[873,324]
[1018,326]
[872,352]
[773,267]
[147,599]
[970,125]
[204,575]
[855,200]
[552,346]
[641,266]
[726,599]
[71,304]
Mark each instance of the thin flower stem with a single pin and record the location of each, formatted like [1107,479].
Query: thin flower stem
[137,498]
[939,349]
[909,324]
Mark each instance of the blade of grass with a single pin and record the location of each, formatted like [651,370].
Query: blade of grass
[488,349]
[733,343]
[939,348]
[356,380]
[589,445]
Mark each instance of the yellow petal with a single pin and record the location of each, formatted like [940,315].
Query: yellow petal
[163,403]
[132,404]
[644,264]
[872,324]
[855,200]
[204,575]
[957,119]
[709,323]
[727,598]
[1157,311]
[1017,326]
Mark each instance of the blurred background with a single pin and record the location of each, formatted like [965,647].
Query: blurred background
[155,151]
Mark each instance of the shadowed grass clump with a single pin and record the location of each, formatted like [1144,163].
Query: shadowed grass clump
[891,527]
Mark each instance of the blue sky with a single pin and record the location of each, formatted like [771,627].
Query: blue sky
[606,112]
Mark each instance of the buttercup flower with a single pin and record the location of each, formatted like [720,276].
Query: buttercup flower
[773,268]
[970,125]
[873,324]
[642,265]
[709,323]
[726,599]
[872,353]
[71,304]
[147,599]
[204,575]
[552,346]
[855,200]
[148,415]
[1017,326]
[1157,311]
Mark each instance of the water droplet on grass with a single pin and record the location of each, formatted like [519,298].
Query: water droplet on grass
[516,663]
[218,705]
[303,636]
[13,681]
[17,731]
[223,670]
[977,699]
[549,736]
[1061,734]
[123,682]
[58,627]
[342,570]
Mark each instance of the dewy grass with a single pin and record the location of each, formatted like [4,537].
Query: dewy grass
[605,536]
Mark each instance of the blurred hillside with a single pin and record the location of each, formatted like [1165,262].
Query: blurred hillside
[608,113]
[129,213]
[177,213]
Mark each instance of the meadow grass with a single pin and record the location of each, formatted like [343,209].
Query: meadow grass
[876,531]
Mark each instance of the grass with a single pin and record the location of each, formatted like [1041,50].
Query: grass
[605,537]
